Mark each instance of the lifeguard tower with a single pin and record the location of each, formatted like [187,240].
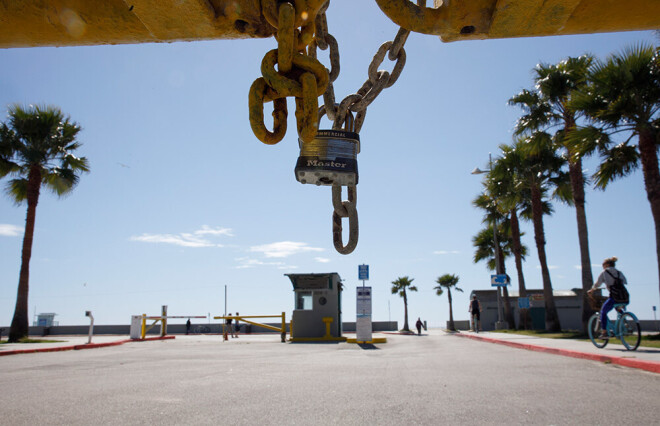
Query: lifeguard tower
[317,313]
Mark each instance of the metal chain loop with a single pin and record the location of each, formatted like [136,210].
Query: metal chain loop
[346,209]
[377,81]
[302,27]
[298,74]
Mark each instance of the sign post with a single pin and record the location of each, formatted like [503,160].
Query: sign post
[363,329]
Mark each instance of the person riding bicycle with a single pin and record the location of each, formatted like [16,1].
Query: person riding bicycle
[475,311]
[609,276]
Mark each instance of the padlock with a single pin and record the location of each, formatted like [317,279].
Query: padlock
[330,158]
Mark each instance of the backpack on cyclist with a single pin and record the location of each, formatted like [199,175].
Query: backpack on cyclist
[618,291]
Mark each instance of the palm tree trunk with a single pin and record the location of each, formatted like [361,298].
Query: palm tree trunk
[19,325]
[452,327]
[649,159]
[405,305]
[577,184]
[551,315]
[508,312]
[525,318]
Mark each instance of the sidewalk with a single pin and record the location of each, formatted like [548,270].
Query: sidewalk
[68,343]
[643,358]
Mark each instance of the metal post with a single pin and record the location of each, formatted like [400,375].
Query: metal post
[498,270]
[91,326]
[163,321]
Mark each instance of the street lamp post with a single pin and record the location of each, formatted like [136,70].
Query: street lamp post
[498,269]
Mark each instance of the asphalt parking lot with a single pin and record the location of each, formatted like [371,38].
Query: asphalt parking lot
[430,379]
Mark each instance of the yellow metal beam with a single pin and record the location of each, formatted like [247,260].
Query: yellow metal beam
[282,329]
[455,20]
[25,23]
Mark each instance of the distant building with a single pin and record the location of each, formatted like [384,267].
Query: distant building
[45,320]
[568,303]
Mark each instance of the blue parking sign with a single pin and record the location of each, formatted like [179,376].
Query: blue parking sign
[499,280]
[363,272]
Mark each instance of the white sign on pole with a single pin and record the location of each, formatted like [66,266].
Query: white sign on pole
[363,313]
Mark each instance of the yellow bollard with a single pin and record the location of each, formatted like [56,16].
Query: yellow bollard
[327,321]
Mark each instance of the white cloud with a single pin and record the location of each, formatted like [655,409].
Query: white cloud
[322,259]
[246,262]
[283,249]
[207,230]
[183,240]
[186,239]
[7,230]
[446,252]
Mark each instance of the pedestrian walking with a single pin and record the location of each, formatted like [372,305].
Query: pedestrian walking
[419,325]
[230,329]
[188,326]
[475,313]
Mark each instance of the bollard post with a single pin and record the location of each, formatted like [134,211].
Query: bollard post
[91,326]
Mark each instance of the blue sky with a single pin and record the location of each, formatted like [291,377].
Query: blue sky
[183,200]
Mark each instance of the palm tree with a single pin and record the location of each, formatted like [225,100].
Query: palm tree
[36,149]
[623,97]
[513,196]
[485,249]
[549,109]
[540,170]
[447,281]
[399,287]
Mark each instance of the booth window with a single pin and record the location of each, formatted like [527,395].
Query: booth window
[304,300]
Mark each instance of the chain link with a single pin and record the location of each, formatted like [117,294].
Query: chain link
[346,209]
[298,75]
[377,81]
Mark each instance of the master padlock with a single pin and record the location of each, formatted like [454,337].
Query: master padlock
[330,158]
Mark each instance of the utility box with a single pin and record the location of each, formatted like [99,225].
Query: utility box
[136,327]
[317,313]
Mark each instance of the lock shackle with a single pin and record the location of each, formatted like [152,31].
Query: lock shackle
[348,122]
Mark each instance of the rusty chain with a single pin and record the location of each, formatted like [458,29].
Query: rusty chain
[298,75]
[341,113]
[302,27]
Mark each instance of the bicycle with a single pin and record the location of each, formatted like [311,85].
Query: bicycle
[626,327]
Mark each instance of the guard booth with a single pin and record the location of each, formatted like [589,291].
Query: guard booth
[317,313]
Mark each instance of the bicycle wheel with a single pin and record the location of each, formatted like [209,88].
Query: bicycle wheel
[595,330]
[630,332]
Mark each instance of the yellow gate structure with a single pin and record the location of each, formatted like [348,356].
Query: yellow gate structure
[282,329]
[163,320]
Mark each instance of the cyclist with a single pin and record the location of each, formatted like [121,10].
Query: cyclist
[607,277]
[475,310]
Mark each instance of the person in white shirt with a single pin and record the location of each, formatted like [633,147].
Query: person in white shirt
[607,277]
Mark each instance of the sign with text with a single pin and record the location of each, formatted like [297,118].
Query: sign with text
[363,301]
[363,272]
[363,313]
[499,280]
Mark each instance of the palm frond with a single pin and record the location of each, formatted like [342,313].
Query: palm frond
[618,162]
[17,189]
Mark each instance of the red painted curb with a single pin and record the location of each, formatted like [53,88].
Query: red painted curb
[651,366]
[78,347]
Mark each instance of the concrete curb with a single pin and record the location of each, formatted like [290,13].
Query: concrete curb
[79,347]
[651,366]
